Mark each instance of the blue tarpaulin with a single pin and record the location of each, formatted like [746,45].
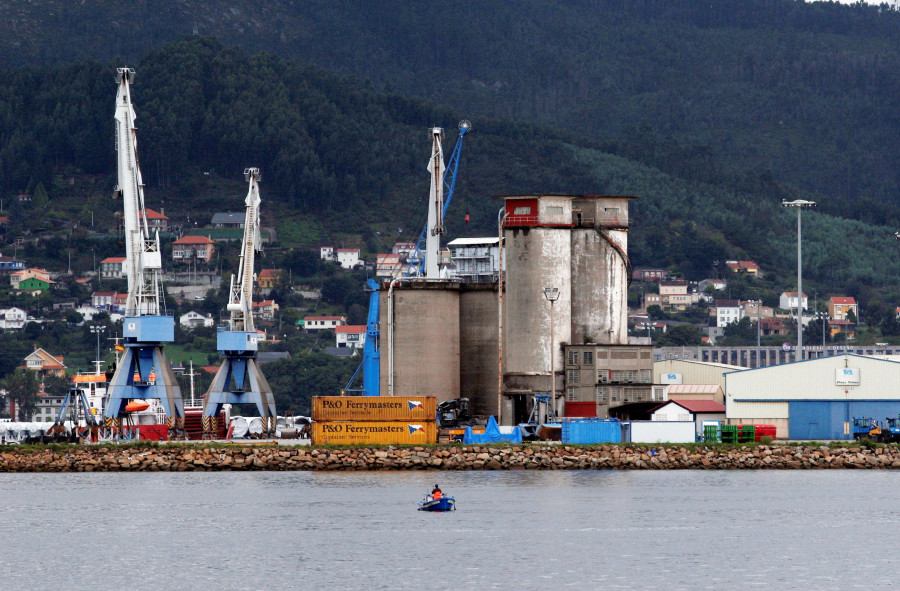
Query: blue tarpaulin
[492,434]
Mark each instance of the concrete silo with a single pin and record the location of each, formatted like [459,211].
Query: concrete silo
[578,245]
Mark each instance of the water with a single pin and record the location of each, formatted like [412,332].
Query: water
[690,530]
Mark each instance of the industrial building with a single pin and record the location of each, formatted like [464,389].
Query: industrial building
[814,399]
[566,283]
[686,371]
[746,356]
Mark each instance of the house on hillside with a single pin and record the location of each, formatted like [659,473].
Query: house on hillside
[34,286]
[45,364]
[350,335]
[157,220]
[265,310]
[388,266]
[268,278]
[746,267]
[17,277]
[229,219]
[313,323]
[112,268]
[193,319]
[788,301]
[726,312]
[103,300]
[772,326]
[348,257]
[840,307]
[193,248]
[13,318]
[642,274]
[10,265]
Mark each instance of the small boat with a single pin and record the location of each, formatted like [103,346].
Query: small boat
[441,504]
[137,406]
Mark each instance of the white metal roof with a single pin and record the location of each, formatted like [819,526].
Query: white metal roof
[473,242]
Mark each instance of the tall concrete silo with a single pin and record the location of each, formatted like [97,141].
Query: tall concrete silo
[578,245]
[600,270]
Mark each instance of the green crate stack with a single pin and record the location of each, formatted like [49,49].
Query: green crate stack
[747,434]
[711,433]
[729,434]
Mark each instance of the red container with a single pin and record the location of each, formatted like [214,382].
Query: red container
[581,409]
[765,431]
[153,432]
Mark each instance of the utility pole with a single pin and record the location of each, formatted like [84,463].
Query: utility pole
[799,204]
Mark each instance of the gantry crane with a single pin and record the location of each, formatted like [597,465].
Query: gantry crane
[424,259]
[239,380]
[143,372]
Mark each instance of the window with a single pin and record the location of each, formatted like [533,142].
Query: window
[572,376]
[572,394]
[611,211]
[659,394]
[602,394]
[602,353]
[573,357]
[624,375]
[684,416]
[526,210]
[646,376]
[554,210]
[603,376]
[615,394]
[588,358]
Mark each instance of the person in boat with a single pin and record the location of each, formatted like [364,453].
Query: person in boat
[436,493]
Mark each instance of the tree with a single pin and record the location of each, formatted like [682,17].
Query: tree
[851,316]
[22,387]
[681,335]
[742,332]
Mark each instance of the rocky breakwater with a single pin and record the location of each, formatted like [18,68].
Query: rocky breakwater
[186,458]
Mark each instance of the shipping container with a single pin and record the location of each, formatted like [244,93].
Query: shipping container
[374,432]
[374,408]
[581,409]
[586,432]
[661,432]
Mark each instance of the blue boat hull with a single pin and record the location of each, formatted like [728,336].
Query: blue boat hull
[444,504]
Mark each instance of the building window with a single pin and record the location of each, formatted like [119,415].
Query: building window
[573,357]
[646,376]
[611,211]
[684,417]
[659,394]
[522,211]
[603,376]
[624,375]
[602,394]
[588,358]
[572,376]
[554,210]
[571,394]
[615,394]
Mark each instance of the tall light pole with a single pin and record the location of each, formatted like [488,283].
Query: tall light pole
[552,294]
[799,204]
[758,316]
[97,329]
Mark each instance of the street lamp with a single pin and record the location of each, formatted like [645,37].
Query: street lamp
[552,294]
[758,316]
[799,204]
[97,329]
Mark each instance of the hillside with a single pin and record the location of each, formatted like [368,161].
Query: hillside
[342,161]
[741,93]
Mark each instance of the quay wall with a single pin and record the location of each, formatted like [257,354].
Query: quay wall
[186,458]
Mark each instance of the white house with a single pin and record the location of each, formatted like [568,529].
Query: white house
[88,312]
[728,311]
[475,259]
[103,300]
[788,301]
[193,319]
[13,318]
[348,257]
[323,322]
[112,268]
[326,253]
[350,335]
[690,410]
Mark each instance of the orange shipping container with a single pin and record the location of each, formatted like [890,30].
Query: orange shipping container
[373,433]
[374,408]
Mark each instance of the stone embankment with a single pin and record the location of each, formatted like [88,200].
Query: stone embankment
[186,458]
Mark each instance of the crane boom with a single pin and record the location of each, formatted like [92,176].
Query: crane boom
[435,204]
[240,299]
[142,251]
[418,257]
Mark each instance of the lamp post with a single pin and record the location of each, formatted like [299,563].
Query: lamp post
[552,294]
[97,329]
[799,204]
[758,316]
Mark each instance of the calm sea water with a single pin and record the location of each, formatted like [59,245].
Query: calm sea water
[673,530]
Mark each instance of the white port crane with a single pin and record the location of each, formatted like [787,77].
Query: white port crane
[239,379]
[435,205]
[143,372]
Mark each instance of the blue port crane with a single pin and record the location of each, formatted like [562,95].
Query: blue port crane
[144,372]
[370,365]
[418,256]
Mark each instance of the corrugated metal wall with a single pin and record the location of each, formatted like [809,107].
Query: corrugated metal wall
[824,419]
[692,372]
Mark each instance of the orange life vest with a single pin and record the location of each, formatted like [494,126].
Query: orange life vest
[436,494]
